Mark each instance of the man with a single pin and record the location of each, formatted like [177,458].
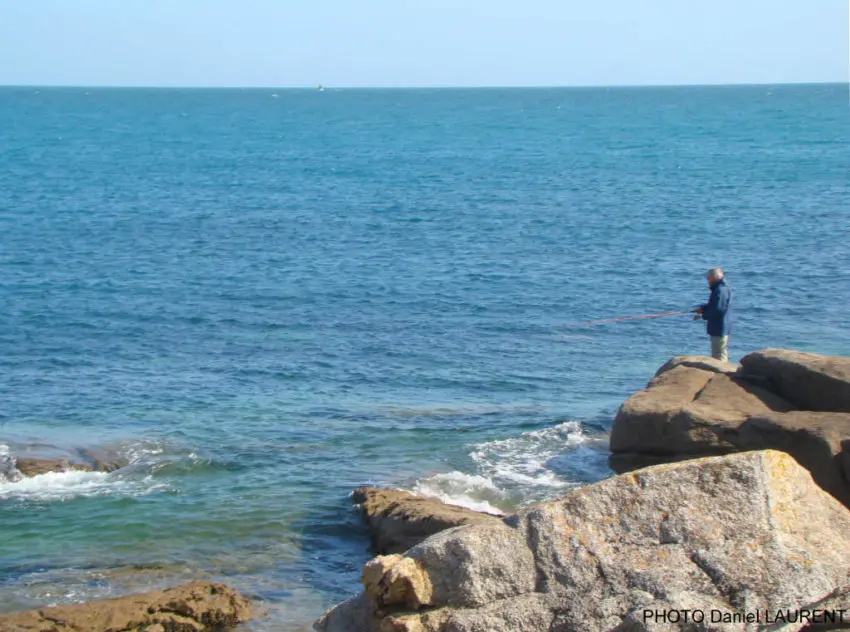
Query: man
[716,314]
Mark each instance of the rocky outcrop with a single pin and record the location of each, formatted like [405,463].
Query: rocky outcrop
[736,534]
[688,410]
[36,467]
[101,459]
[399,520]
[807,380]
[691,410]
[193,607]
[37,460]
[699,362]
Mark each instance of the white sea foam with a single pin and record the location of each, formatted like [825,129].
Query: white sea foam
[525,460]
[8,470]
[59,486]
[146,467]
[56,486]
[134,480]
[142,451]
[532,466]
[451,410]
[467,490]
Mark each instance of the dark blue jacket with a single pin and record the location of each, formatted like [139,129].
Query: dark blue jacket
[716,312]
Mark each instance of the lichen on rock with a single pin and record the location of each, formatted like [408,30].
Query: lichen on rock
[193,607]
[735,533]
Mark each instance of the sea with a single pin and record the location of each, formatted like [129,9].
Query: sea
[261,299]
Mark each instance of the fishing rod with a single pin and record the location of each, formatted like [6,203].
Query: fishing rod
[617,320]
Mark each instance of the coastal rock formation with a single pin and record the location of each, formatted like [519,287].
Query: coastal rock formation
[691,409]
[399,520]
[35,467]
[34,461]
[688,410]
[807,380]
[741,533]
[699,362]
[102,460]
[193,607]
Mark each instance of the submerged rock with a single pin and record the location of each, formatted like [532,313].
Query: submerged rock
[193,607]
[738,533]
[28,461]
[36,467]
[103,459]
[399,520]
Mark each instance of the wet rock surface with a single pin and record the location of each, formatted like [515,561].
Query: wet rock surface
[400,520]
[193,607]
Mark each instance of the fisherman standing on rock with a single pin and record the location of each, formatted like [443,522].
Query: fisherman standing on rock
[716,314]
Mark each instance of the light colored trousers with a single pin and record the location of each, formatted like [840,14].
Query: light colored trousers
[719,349]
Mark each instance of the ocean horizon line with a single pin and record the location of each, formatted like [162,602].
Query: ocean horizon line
[317,86]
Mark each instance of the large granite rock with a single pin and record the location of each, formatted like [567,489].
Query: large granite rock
[689,411]
[399,520]
[737,534]
[193,607]
[807,380]
[699,362]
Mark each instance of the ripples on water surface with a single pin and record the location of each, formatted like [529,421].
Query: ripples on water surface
[262,303]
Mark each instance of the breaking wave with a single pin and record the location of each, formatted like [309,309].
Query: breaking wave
[146,467]
[8,468]
[468,490]
[510,473]
[55,486]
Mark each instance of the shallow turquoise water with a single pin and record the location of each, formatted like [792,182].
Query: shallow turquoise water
[265,299]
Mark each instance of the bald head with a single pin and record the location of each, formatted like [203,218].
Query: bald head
[714,275]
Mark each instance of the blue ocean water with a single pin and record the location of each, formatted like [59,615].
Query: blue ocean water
[262,299]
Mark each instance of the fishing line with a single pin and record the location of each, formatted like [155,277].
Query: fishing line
[621,319]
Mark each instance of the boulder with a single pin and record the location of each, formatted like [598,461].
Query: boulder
[463,567]
[689,412]
[815,439]
[699,362]
[193,607]
[737,534]
[807,380]
[353,615]
[399,520]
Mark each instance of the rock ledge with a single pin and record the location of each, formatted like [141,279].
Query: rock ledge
[192,607]
[736,533]
[400,520]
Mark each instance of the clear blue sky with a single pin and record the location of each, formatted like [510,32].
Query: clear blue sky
[421,42]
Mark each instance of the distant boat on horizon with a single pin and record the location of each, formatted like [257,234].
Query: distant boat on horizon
[321,88]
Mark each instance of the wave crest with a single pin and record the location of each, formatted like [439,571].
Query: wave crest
[510,473]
